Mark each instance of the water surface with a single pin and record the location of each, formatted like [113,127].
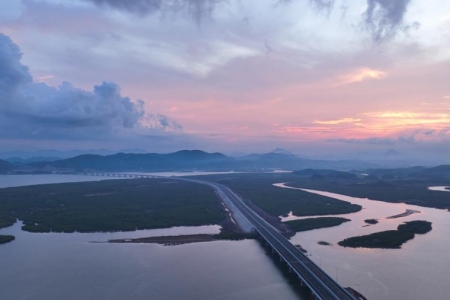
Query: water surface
[54,266]
[418,271]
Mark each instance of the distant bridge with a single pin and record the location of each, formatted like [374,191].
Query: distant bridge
[318,281]
[126,175]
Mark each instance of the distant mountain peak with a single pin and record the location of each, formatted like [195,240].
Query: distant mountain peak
[392,152]
[281,151]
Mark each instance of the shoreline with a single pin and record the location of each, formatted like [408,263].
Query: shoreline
[168,240]
[184,239]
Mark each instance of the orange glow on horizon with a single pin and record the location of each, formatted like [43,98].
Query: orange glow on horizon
[393,124]
[339,121]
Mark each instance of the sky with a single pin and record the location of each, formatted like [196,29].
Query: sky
[321,78]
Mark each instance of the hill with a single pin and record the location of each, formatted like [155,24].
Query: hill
[5,166]
[181,160]
[187,160]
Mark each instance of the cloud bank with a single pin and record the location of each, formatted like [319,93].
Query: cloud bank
[41,111]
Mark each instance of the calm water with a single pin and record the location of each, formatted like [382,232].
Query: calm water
[49,266]
[418,271]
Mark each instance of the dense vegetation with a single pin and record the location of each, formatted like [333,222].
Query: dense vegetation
[392,239]
[110,205]
[315,223]
[278,201]
[417,227]
[396,189]
[6,239]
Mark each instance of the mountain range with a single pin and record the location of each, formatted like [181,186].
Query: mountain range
[186,160]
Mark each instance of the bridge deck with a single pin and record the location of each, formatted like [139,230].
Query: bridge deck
[320,283]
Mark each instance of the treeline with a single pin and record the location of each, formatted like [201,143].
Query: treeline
[111,205]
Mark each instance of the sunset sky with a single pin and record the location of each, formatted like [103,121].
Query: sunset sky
[322,78]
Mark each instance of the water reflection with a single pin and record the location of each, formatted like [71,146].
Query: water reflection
[53,266]
[417,271]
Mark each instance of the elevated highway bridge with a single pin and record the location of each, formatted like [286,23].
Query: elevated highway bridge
[322,286]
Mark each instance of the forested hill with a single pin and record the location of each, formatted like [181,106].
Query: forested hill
[5,166]
[180,160]
[189,160]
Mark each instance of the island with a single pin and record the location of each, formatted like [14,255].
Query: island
[323,243]
[6,239]
[315,223]
[187,239]
[371,221]
[407,213]
[390,239]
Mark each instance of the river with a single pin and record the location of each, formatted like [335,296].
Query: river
[53,266]
[418,271]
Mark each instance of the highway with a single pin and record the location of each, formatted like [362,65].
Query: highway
[320,283]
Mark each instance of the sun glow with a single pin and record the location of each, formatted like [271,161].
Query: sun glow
[339,121]
[387,124]
[360,75]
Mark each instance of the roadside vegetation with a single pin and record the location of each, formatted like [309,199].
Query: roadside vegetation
[259,189]
[315,223]
[390,239]
[110,205]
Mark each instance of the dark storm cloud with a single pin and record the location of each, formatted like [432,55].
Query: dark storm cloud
[383,17]
[197,9]
[38,110]
[12,72]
